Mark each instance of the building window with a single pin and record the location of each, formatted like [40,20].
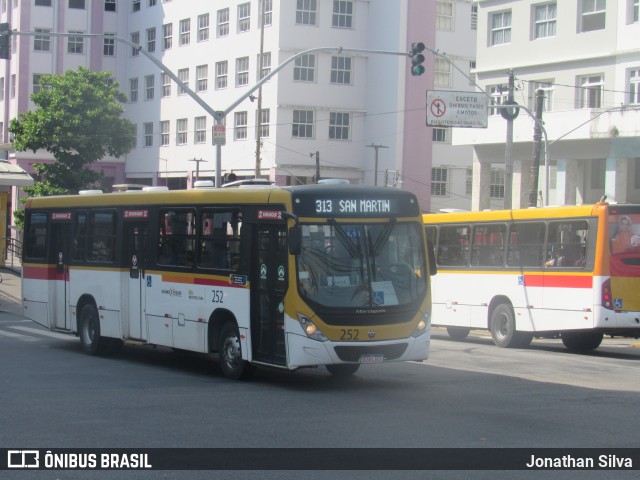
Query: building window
[39,3]
[265,68]
[164,132]
[547,87]
[304,68]
[1,88]
[203,27]
[109,45]
[12,86]
[244,17]
[200,133]
[36,82]
[149,86]
[598,173]
[590,91]
[42,43]
[135,39]
[306,11]
[545,20]
[444,16]
[267,12]
[635,13]
[183,76]
[202,74]
[242,71]
[474,17]
[167,36]
[133,89]
[185,31]
[135,135]
[592,15]
[442,71]
[223,22]
[136,5]
[499,95]
[302,126]
[263,124]
[166,84]
[222,69]
[151,40]
[342,14]
[240,126]
[341,70]
[148,134]
[501,28]
[439,135]
[634,86]
[339,127]
[76,4]
[469,182]
[109,5]
[636,175]
[75,44]
[152,3]
[472,74]
[496,188]
[181,131]
[439,182]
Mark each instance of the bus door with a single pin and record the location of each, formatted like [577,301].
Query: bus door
[135,235]
[61,234]
[268,286]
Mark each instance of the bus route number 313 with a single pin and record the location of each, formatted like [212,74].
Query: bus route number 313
[324,206]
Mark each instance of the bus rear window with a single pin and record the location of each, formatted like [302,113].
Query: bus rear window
[37,235]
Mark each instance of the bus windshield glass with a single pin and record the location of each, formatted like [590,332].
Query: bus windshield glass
[361,265]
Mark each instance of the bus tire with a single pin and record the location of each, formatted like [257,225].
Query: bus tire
[503,328]
[581,341]
[89,331]
[458,333]
[343,369]
[231,362]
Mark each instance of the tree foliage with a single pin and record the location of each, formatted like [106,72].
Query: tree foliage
[78,120]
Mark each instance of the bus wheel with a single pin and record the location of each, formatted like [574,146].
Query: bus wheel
[458,333]
[581,341]
[503,328]
[90,338]
[231,362]
[343,369]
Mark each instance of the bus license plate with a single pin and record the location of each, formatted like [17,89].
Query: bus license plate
[371,359]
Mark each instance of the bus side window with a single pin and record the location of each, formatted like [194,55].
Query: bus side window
[453,245]
[526,244]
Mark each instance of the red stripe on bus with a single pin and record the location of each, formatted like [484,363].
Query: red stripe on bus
[215,282]
[45,272]
[558,281]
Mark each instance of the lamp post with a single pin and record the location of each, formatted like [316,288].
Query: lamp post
[197,160]
[375,173]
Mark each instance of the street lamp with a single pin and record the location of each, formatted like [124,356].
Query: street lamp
[197,160]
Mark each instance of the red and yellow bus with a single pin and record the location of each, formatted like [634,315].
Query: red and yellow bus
[571,272]
[283,277]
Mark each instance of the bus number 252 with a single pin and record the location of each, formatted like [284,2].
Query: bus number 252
[217,296]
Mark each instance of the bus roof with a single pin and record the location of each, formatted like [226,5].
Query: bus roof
[565,211]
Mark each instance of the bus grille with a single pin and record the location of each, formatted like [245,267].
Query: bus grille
[353,353]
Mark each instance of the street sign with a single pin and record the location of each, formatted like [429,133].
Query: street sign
[456,109]
[219,135]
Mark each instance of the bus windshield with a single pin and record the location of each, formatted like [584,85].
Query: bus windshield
[361,265]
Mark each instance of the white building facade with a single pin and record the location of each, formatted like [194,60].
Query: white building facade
[585,56]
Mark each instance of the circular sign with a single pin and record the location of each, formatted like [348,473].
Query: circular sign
[438,107]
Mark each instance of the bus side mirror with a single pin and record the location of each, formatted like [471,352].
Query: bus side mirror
[433,269]
[295,240]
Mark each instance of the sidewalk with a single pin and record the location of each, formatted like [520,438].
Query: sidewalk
[10,292]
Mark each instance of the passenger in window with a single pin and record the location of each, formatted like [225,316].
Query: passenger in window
[558,260]
[166,256]
[625,238]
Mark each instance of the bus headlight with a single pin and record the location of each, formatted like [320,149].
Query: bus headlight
[310,328]
[421,328]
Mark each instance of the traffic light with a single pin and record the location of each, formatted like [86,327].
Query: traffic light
[417,58]
[5,41]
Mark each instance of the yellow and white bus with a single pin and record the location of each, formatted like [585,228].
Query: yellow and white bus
[283,277]
[571,272]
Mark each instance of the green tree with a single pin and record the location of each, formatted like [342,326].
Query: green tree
[78,119]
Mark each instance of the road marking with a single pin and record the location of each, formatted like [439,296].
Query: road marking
[46,333]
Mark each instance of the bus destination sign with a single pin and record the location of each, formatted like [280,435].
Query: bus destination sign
[351,206]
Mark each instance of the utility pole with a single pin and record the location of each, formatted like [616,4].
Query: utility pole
[197,160]
[317,175]
[259,115]
[375,172]
[508,159]
[537,146]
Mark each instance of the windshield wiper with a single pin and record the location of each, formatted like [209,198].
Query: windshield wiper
[352,249]
[376,248]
